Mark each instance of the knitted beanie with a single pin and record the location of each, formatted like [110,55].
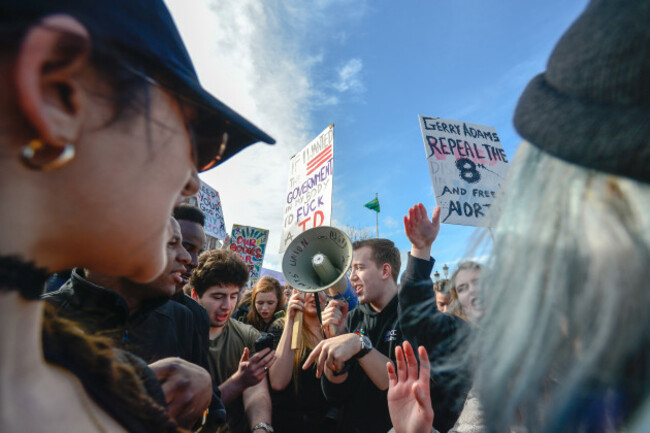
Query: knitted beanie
[592,105]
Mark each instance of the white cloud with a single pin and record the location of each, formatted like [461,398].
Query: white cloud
[349,77]
[391,222]
[252,56]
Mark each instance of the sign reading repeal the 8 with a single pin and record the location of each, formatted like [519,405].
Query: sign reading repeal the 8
[467,164]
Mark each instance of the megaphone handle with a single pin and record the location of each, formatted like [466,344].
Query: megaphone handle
[295,334]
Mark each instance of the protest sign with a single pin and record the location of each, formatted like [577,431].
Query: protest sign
[467,164]
[265,272]
[249,243]
[210,204]
[308,202]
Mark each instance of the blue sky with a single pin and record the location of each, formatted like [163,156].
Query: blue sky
[294,67]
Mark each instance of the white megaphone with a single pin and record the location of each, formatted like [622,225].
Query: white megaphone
[317,260]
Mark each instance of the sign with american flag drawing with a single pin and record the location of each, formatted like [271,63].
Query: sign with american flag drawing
[308,202]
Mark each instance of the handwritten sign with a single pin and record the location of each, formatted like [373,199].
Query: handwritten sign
[308,202]
[210,204]
[249,243]
[467,164]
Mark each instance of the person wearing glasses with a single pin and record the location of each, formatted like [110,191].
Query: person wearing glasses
[101,114]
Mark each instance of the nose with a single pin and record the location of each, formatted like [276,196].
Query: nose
[183,256]
[353,275]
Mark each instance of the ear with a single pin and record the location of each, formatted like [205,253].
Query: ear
[48,78]
[386,271]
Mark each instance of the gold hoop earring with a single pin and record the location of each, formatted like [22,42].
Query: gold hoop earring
[40,156]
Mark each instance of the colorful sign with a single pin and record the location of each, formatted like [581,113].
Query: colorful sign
[210,203]
[467,164]
[249,243]
[308,202]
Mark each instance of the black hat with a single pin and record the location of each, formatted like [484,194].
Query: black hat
[146,30]
[592,105]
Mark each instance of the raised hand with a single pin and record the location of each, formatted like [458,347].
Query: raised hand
[409,401]
[421,231]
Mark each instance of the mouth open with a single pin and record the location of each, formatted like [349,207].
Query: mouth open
[185,276]
[222,317]
[178,277]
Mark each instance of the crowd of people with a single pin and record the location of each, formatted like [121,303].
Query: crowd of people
[113,318]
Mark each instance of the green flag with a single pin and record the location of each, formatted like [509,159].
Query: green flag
[373,205]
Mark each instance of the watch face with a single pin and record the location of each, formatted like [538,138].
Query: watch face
[366,343]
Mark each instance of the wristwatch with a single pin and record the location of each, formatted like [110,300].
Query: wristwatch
[264,426]
[366,346]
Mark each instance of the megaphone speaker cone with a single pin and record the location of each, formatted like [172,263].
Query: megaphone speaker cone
[317,260]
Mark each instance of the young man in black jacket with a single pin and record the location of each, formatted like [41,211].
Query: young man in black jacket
[354,362]
[140,318]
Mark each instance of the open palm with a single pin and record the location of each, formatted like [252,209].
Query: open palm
[421,231]
[409,402]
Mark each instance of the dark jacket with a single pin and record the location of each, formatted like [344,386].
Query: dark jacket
[441,334]
[160,328]
[364,407]
[411,315]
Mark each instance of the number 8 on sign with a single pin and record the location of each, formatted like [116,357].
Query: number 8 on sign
[467,169]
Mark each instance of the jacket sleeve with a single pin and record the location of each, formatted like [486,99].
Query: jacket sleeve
[441,334]
[417,302]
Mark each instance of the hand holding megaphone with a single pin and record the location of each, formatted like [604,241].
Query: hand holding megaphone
[334,316]
[318,260]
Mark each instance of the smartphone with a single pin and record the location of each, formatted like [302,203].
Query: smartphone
[265,341]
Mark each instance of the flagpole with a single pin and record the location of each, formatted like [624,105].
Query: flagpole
[377,215]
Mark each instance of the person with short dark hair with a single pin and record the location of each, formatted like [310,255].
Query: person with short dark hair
[138,318]
[354,361]
[444,300]
[239,372]
[192,222]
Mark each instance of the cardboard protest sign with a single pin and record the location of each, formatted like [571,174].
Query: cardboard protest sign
[308,202]
[467,164]
[210,203]
[249,243]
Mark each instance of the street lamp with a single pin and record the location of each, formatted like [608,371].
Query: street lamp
[436,276]
[445,270]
